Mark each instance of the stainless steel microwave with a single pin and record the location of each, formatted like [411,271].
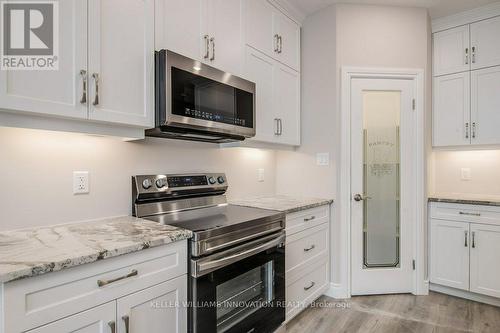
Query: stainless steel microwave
[198,102]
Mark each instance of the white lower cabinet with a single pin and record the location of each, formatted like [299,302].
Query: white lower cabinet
[465,247]
[139,292]
[307,258]
[100,319]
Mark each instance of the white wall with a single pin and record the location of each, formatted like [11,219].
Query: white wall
[345,35]
[36,173]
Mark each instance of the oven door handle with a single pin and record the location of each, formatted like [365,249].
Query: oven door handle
[203,268]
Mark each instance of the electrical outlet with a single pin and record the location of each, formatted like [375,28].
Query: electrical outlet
[466,174]
[260,175]
[323,159]
[80,182]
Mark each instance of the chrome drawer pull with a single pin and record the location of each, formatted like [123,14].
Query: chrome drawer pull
[102,283]
[470,214]
[83,74]
[465,238]
[112,325]
[312,285]
[310,218]
[312,247]
[95,76]
[473,239]
[207,46]
[126,320]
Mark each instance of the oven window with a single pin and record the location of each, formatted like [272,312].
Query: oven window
[197,97]
[243,295]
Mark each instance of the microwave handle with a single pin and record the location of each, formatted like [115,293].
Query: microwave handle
[201,269]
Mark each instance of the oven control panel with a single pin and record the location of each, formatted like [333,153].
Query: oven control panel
[172,184]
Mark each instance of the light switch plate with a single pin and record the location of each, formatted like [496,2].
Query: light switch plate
[323,159]
[80,182]
[260,175]
[466,174]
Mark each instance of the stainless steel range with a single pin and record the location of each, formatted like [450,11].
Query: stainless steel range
[237,254]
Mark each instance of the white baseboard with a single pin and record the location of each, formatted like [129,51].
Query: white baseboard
[337,291]
[465,294]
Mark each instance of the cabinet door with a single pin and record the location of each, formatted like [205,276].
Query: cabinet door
[449,253]
[485,106]
[121,53]
[287,99]
[96,320]
[260,69]
[485,259]
[54,92]
[451,112]
[259,29]
[225,28]
[485,43]
[181,27]
[158,309]
[451,51]
[289,32]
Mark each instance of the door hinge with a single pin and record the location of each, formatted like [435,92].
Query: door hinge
[413,104]
[413,264]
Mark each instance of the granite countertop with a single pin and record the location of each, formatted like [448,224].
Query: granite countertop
[282,203]
[31,252]
[466,201]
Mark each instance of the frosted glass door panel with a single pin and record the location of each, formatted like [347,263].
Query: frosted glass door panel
[381,178]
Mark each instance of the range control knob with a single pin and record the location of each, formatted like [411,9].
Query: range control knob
[221,180]
[147,183]
[211,180]
[161,182]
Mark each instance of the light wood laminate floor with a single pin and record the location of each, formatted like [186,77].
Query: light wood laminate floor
[397,313]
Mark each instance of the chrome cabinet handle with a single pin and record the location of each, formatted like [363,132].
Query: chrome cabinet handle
[312,247]
[309,219]
[473,239]
[212,40]
[276,129]
[126,320]
[467,56]
[276,43]
[102,283]
[469,214]
[474,54]
[112,326]
[280,121]
[280,39]
[466,130]
[83,74]
[310,286]
[95,76]
[473,130]
[466,238]
[207,46]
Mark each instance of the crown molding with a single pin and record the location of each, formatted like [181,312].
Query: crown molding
[292,11]
[470,16]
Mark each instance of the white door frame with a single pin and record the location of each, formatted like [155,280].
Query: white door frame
[420,286]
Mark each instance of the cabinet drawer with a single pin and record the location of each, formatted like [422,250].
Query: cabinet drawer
[302,291]
[465,213]
[304,247]
[296,222]
[36,301]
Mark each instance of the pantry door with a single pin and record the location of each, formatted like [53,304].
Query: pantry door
[383,184]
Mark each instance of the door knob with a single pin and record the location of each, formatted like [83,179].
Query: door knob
[358,197]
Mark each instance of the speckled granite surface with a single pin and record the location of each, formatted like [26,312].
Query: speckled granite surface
[282,203]
[31,252]
[465,201]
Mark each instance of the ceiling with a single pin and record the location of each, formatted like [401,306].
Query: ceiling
[437,8]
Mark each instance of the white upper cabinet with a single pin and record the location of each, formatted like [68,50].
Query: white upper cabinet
[449,253]
[452,53]
[272,32]
[485,106]
[181,27]
[484,258]
[225,30]
[485,43]
[121,61]
[451,123]
[54,92]
[287,90]
[205,30]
